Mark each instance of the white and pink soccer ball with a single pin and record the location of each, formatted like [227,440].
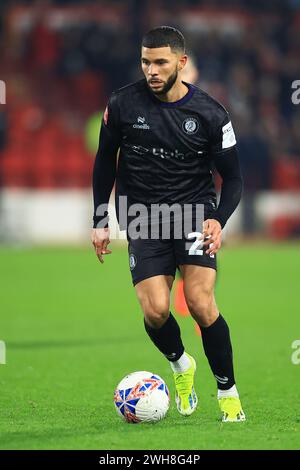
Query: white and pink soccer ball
[142,397]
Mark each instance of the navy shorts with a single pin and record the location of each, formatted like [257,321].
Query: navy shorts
[153,257]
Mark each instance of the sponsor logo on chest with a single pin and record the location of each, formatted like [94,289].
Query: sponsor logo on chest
[141,124]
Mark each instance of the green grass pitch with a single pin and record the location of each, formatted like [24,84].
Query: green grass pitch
[73,329]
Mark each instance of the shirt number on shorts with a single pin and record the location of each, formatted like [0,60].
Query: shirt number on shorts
[194,247]
[193,250]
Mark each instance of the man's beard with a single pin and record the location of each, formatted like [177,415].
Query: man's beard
[167,86]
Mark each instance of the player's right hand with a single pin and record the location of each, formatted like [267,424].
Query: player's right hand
[100,240]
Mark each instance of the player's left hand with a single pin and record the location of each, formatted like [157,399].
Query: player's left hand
[212,236]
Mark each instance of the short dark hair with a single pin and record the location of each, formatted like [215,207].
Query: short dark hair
[164,36]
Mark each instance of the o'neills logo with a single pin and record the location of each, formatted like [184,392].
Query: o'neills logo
[141,124]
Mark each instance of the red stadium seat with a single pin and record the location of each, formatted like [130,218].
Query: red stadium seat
[284,227]
[286,175]
[14,168]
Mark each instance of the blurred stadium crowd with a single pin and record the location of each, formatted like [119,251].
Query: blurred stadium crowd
[61,59]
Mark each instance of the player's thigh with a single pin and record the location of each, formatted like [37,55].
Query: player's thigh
[198,278]
[153,294]
[198,284]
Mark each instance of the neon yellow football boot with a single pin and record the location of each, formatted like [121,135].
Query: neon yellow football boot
[185,397]
[231,410]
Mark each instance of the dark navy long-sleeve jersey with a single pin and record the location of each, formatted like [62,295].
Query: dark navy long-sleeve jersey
[167,151]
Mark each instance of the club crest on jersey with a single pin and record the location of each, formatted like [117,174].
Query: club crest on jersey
[190,125]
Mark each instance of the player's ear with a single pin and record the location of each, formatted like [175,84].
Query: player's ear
[182,61]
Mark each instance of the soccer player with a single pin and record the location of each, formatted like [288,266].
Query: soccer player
[169,133]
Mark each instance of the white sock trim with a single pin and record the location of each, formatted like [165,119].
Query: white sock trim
[231,392]
[183,364]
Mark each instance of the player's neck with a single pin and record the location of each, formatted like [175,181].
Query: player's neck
[177,92]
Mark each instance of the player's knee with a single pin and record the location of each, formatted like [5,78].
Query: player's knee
[156,312]
[202,307]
